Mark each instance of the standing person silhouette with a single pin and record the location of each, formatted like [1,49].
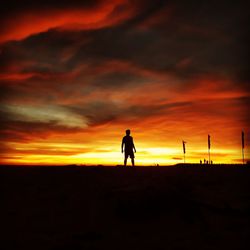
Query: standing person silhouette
[129,148]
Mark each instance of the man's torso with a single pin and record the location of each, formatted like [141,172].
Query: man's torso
[128,141]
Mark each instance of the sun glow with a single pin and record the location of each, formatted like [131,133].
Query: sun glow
[70,153]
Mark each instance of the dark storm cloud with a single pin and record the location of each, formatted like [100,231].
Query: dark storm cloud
[103,112]
[198,39]
[47,49]
[194,39]
[20,131]
[189,44]
[40,53]
[118,80]
[20,6]
[14,6]
[212,38]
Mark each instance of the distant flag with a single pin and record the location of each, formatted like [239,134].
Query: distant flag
[184,147]
[209,146]
[184,150]
[209,142]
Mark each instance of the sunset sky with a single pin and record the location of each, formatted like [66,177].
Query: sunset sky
[74,75]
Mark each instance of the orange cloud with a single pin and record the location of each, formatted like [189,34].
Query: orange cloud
[106,13]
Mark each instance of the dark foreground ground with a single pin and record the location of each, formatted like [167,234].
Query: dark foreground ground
[178,207]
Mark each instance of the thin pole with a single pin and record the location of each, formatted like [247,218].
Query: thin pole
[209,146]
[243,161]
[209,156]
[243,145]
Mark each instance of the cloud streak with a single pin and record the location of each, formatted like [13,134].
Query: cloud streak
[85,16]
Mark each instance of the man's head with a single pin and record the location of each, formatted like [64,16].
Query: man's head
[128,132]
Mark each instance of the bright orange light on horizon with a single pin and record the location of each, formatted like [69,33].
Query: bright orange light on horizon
[105,150]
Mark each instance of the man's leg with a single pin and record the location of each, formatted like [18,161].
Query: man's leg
[133,161]
[125,161]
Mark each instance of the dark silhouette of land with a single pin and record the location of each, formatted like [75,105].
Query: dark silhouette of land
[176,207]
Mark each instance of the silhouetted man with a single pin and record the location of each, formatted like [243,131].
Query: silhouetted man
[129,148]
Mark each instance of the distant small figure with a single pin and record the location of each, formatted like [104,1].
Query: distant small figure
[211,162]
[201,162]
[205,161]
[128,147]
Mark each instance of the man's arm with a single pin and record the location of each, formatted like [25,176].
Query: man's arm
[133,145]
[122,144]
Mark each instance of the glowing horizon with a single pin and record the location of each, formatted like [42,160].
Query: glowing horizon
[61,153]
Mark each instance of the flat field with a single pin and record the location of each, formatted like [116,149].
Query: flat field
[175,207]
